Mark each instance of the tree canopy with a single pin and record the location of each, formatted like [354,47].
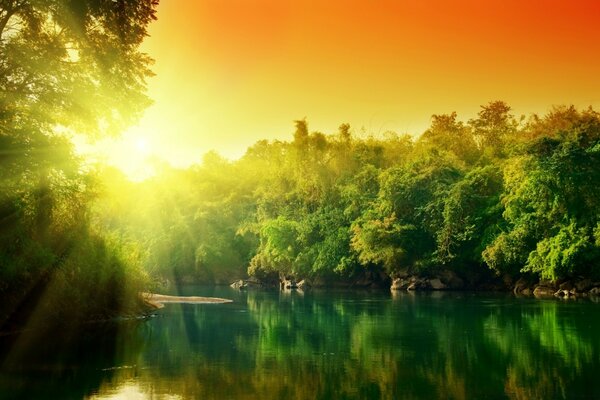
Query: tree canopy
[66,68]
[495,195]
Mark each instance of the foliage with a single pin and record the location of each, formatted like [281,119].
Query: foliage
[490,194]
[65,68]
[551,203]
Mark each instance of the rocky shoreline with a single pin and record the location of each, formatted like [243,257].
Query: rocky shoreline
[444,280]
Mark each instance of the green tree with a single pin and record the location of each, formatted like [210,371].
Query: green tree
[551,205]
[471,218]
[398,230]
[494,127]
[447,133]
[65,68]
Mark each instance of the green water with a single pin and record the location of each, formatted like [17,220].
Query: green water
[319,345]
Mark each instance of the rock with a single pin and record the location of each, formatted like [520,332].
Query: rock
[417,283]
[564,294]
[288,284]
[405,283]
[436,284]
[400,284]
[595,291]
[543,291]
[526,292]
[547,283]
[303,284]
[239,284]
[583,285]
[521,286]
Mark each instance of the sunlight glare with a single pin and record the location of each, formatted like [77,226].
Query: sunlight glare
[132,153]
[142,146]
[130,390]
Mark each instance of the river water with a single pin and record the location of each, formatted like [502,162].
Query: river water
[319,345]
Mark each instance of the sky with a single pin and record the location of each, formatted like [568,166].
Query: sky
[231,72]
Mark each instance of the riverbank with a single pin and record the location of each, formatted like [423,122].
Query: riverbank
[443,281]
[158,301]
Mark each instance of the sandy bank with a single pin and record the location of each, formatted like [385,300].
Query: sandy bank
[158,300]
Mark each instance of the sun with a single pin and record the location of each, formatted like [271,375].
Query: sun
[142,146]
[132,153]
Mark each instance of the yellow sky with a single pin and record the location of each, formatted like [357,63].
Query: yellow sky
[231,72]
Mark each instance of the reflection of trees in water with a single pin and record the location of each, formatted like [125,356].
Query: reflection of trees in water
[551,350]
[360,345]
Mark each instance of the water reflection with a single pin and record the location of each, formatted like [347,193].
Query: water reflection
[319,345]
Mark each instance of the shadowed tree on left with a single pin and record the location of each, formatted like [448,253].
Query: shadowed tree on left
[66,67]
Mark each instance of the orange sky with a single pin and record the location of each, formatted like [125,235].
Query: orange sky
[230,72]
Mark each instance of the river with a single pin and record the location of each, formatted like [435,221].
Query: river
[319,345]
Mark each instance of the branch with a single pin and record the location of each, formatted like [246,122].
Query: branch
[9,13]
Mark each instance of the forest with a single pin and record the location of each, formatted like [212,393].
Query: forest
[495,196]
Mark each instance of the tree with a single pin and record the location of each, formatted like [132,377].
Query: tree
[398,230]
[66,67]
[447,133]
[73,64]
[471,215]
[551,204]
[493,127]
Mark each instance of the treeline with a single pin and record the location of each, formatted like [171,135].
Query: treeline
[496,195]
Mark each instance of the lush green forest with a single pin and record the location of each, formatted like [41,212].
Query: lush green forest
[497,195]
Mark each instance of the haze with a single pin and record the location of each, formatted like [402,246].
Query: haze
[231,73]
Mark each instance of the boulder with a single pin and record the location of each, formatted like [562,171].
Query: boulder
[417,283]
[521,286]
[543,291]
[436,284]
[288,284]
[564,294]
[400,284]
[547,283]
[239,284]
[595,291]
[303,284]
